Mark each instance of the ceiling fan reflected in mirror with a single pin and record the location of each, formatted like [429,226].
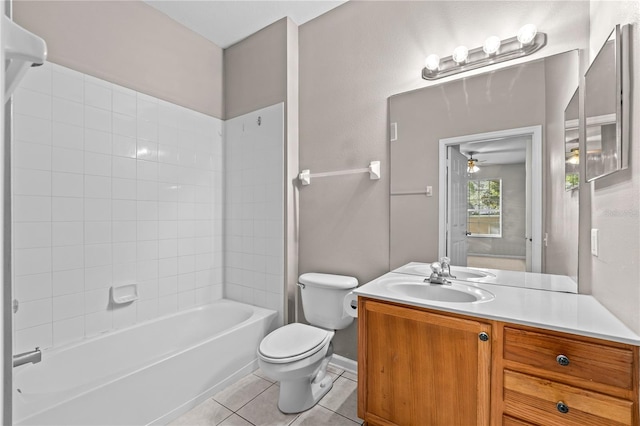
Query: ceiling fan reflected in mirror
[472,164]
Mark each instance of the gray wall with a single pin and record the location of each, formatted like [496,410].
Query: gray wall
[351,60]
[615,204]
[514,201]
[255,71]
[131,44]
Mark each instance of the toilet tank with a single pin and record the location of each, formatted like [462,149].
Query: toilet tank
[322,297]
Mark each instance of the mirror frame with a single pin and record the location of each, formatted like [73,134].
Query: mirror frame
[620,37]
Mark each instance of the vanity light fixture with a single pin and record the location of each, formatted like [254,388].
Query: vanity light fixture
[493,51]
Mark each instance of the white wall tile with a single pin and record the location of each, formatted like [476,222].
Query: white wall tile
[68,331]
[29,338]
[31,182]
[67,233]
[31,261]
[31,156]
[31,129]
[68,306]
[33,104]
[98,209]
[68,282]
[68,85]
[67,136]
[32,287]
[39,79]
[67,184]
[31,314]
[98,202]
[67,160]
[67,257]
[31,235]
[97,141]
[97,95]
[67,209]
[97,164]
[67,112]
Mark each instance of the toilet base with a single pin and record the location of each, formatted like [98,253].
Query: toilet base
[299,395]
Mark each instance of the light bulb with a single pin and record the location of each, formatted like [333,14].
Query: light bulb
[527,33]
[491,45]
[460,54]
[432,62]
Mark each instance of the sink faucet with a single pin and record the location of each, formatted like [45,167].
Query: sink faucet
[437,275]
[445,263]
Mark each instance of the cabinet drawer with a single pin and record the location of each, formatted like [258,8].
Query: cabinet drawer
[510,421]
[593,362]
[537,400]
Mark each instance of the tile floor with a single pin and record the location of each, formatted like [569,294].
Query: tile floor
[253,401]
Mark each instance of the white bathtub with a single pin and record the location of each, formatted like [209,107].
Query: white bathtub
[149,373]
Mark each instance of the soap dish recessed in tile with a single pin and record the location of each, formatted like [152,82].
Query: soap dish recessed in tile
[123,294]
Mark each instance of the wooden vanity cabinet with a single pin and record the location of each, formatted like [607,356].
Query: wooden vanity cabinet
[417,367]
[423,367]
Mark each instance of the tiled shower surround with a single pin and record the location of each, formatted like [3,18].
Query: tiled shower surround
[110,187]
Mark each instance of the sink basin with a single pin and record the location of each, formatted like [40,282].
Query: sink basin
[452,293]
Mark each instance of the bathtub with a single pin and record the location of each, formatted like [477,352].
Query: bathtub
[147,374]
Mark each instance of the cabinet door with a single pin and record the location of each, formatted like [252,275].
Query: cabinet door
[421,368]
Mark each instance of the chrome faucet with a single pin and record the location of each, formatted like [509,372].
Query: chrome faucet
[437,275]
[445,263]
[33,357]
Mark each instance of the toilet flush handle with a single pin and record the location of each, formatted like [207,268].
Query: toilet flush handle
[301,285]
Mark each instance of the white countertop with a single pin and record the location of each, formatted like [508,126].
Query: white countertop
[501,277]
[566,312]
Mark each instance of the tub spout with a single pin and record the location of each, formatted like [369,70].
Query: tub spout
[33,357]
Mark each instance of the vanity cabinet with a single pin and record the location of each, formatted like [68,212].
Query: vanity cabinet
[417,367]
[548,378]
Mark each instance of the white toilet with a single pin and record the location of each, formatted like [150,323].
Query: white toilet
[297,355]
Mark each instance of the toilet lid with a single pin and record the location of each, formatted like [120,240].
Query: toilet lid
[293,340]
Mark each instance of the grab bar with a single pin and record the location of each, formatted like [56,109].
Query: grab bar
[33,357]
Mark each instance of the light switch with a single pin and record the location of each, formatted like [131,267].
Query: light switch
[429,191]
[594,242]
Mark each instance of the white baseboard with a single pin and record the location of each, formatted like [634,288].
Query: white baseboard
[344,363]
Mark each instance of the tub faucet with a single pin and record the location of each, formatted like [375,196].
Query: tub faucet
[445,263]
[437,276]
[33,357]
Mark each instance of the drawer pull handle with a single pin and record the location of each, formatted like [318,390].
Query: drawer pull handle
[562,407]
[562,360]
[483,336]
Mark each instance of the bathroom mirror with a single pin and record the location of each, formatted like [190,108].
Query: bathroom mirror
[606,107]
[572,144]
[506,110]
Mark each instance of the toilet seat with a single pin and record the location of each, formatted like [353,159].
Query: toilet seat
[293,342]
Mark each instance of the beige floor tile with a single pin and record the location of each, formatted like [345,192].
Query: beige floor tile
[235,420]
[261,374]
[205,414]
[241,392]
[351,376]
[318,415]
[263,410]
[342,399]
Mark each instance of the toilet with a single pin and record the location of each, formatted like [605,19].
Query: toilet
[297,355]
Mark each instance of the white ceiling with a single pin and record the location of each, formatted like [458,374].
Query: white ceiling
[512,150]
[227,22]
